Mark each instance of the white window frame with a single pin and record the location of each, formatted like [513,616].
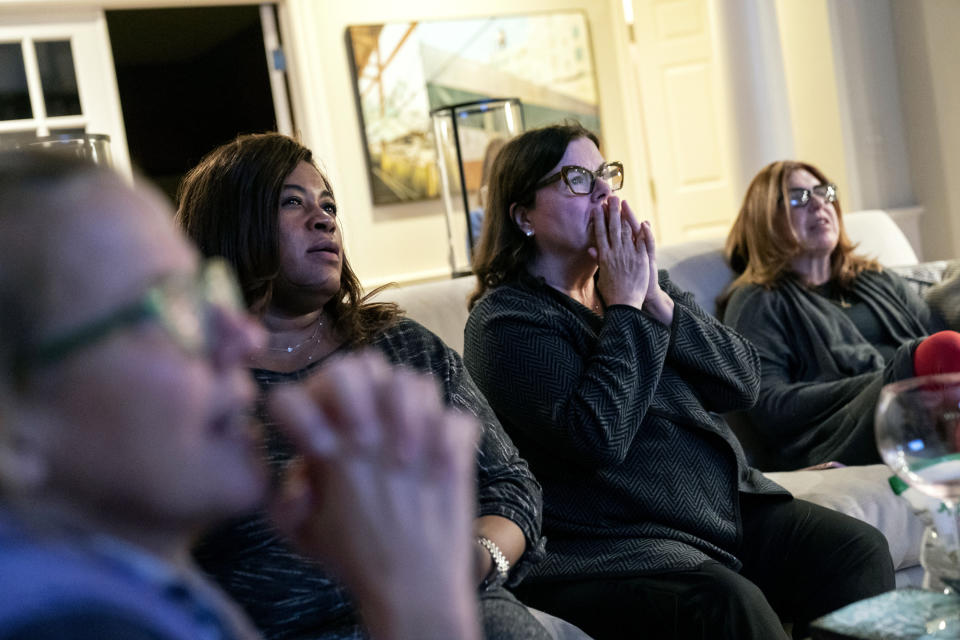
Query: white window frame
[86,29]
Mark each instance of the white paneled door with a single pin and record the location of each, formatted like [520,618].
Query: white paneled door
[685,117]
[57,76]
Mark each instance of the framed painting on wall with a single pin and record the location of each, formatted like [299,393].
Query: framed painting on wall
[404,70]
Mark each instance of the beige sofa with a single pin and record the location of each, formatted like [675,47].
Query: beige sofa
[698,267]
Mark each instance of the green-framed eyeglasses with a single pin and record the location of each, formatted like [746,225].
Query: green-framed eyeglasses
[181,305]
[582,181]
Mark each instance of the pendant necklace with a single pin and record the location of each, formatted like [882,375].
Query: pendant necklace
[314,338]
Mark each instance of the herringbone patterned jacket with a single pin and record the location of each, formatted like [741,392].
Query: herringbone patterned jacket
[615,415]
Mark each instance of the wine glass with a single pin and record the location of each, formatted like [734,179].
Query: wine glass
[918,436]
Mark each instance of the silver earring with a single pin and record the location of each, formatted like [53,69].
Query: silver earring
[528,233]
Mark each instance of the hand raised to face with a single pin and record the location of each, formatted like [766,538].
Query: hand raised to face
[383,493]
[656,302]
[621,254]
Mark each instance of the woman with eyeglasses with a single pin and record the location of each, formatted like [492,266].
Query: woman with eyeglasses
[608,378]
[126,432]
[831,326]
[262,203]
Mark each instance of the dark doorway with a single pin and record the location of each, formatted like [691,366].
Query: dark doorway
[189,80]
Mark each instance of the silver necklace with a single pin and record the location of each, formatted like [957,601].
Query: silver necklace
[293,349]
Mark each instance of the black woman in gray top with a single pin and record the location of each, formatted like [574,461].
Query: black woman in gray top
[609,380]
[262,203]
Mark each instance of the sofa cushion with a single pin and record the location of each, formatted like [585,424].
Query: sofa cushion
[697,267]
[878,236]
[439,306]
[864,493]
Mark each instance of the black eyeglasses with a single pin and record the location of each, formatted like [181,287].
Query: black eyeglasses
[582,181]
[801,197]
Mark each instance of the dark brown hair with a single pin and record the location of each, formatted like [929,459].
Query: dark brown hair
[761,244]
[228,204]
[504,251]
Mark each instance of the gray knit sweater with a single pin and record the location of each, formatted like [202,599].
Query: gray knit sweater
[820,377]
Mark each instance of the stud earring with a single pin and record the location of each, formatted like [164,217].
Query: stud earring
[528,233]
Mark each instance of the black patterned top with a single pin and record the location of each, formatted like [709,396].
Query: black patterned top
[615,416]
[288,596]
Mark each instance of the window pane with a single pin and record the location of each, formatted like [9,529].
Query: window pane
[58,78]
[14,97]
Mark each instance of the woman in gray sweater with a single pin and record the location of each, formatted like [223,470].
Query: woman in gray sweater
[831,326]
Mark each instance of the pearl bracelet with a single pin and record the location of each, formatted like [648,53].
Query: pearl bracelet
[501,566]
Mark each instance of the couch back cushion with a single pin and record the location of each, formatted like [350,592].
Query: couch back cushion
[698,267]
[878,236]
[439,306]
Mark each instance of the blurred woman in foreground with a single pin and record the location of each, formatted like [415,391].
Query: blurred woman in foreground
[125,432]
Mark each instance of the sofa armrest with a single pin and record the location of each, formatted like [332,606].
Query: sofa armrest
[864,493]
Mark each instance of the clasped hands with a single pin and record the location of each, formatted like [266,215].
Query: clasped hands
[383,494]
[625,251]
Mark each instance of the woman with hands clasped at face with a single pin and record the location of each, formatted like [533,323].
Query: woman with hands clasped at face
[609,380]
[625,252]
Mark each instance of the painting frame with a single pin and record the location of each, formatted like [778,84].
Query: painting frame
[402,71]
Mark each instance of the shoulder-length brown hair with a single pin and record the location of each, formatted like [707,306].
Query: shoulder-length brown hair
[504,251]
[228,204]
[762,244]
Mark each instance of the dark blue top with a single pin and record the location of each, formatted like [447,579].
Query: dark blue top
[73,586]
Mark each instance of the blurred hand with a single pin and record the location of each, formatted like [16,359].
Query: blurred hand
[383,494]
[832,464]
[621,254]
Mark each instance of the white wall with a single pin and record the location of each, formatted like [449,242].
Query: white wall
[889,122]
[407,242]
[878,167]
[810,67]
[752,58]
[818,81]
[928,58]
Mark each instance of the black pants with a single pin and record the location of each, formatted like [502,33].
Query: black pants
[800,561]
